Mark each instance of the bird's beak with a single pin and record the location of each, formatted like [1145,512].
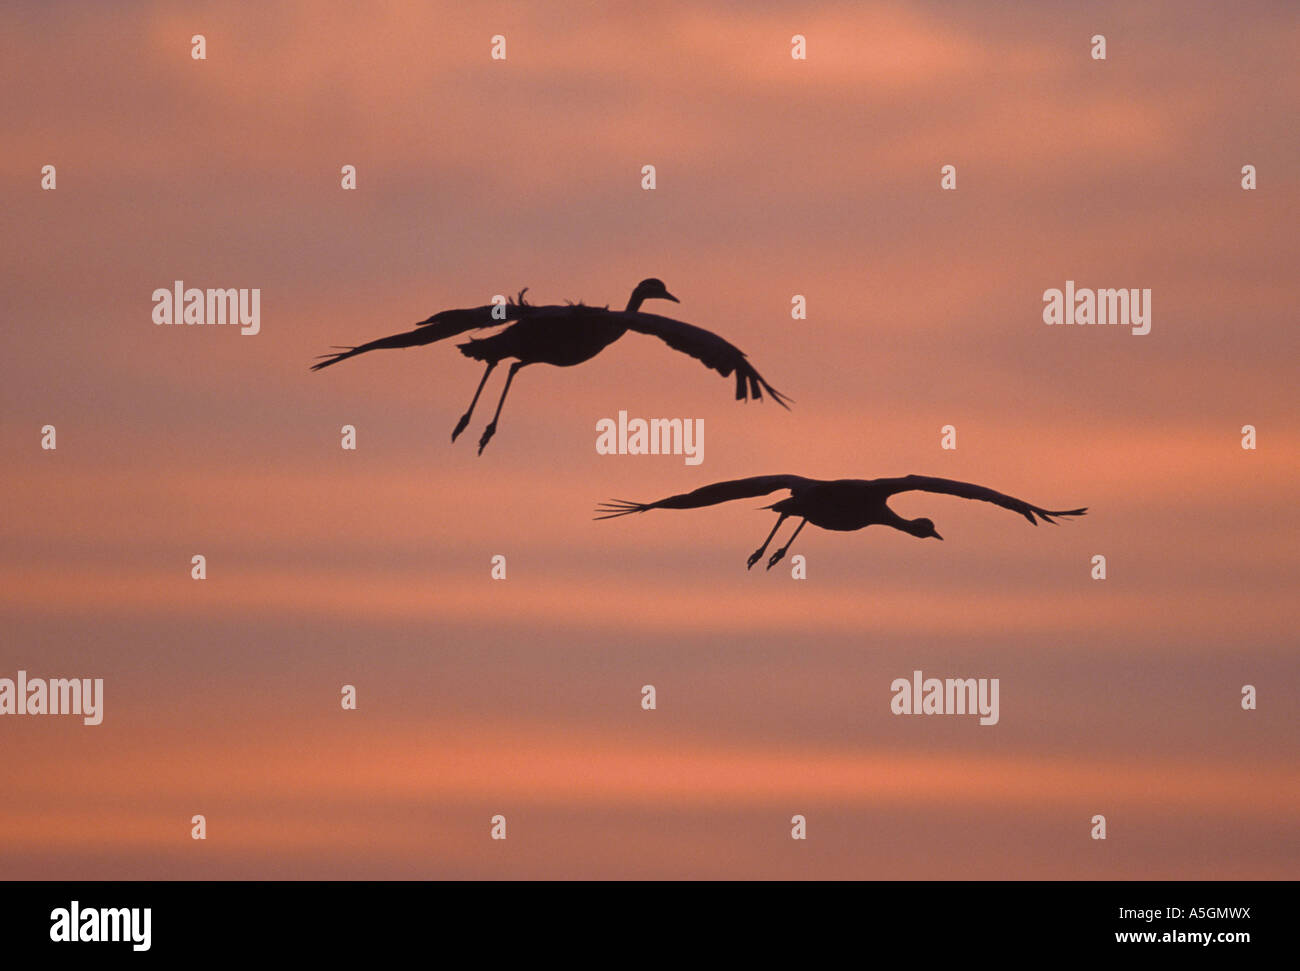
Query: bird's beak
[669,296]
[937,536]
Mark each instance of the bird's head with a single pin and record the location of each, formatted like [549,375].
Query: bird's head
[654,289]
[924,529]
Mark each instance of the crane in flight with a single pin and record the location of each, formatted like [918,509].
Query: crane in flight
[565,335]
[842,504]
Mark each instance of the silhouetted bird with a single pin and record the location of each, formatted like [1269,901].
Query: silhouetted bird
[842,504]
[565,335]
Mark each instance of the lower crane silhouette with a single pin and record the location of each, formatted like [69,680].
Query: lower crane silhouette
[842,504]
[565,335]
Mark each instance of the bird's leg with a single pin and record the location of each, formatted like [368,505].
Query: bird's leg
[492,425]
[754,557]
[464,419]
[776,557]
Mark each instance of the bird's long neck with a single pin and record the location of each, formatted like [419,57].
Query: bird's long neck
[633,305]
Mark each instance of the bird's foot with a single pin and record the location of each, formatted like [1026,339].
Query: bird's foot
[775,558]
[487,437]
[460,427]
[753,558]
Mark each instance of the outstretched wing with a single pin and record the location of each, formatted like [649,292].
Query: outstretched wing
[966,490]
[709,495]
[447,323]
[704,346]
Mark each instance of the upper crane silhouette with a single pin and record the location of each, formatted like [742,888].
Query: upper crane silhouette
[565,335]
[842,504]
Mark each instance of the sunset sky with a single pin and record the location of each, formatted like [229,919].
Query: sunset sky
[775,177]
